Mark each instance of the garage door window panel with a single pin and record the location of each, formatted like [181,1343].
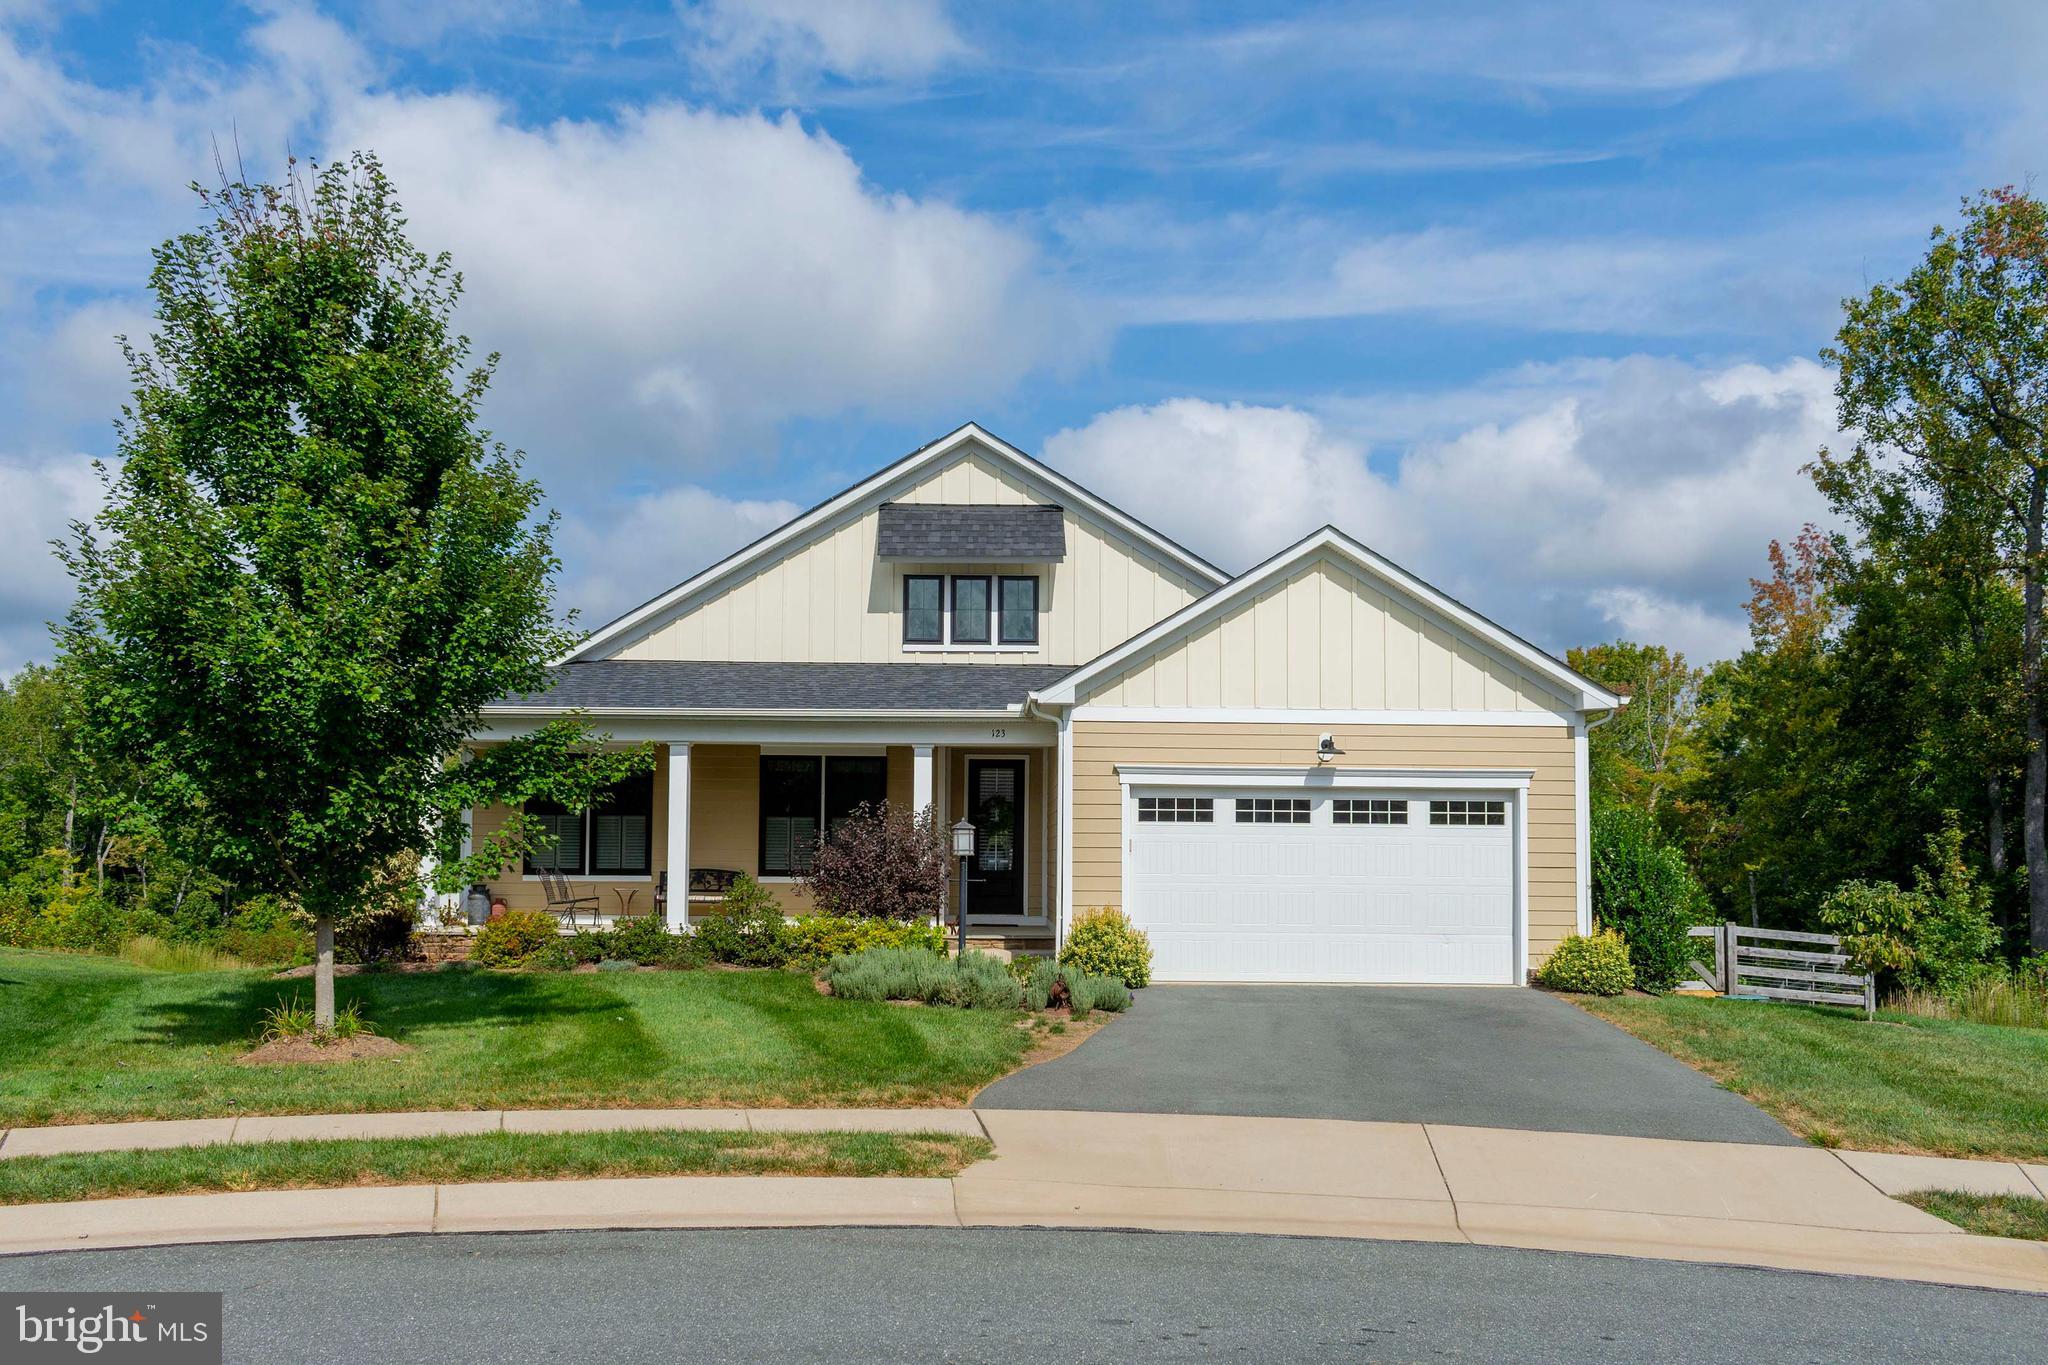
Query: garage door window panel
[1468,812]
[1368,811]
[1176,810]
[1272,810]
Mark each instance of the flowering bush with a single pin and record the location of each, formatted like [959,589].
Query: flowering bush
[1595,965]
[1104,943]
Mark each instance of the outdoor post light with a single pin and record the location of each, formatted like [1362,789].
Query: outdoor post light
[963,849]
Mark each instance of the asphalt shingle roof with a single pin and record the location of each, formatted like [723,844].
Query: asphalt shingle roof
[662,684]
[958,531]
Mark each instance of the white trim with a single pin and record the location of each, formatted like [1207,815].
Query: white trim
[1329,541]
[842,750]
[1512,784]
[1063,916]
[1285,715]
[968,760]
[1130,775]
[677,853]
[877,489]
[1582,825]
[730,713]
[972,649]
[920,777]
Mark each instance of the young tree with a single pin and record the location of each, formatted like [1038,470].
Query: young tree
[1646,749]
[1944,376]
[312,568]
[881,862]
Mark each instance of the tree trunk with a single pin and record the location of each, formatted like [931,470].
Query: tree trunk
[2036,803]
[323,973]
[1994,823]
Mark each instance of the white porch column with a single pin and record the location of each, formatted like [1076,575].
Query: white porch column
[921,778]
[679,837]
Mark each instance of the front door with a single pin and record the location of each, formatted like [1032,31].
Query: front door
[995,803]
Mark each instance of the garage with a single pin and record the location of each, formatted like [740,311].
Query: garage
[1297,879]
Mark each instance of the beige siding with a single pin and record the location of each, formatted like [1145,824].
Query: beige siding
[1099,746]
[725,810]
[831,600]
[1326,639]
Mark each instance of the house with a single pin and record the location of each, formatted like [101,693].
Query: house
[1321,769]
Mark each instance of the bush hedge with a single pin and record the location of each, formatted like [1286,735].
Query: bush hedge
[975,981]
[1643,888]
[1104,943]
[1595,965]
[520,938]
[815,940]
[747,929]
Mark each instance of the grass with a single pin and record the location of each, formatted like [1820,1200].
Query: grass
[1901,1084]
[92,1038]
[159,956]
[1990,1215]
[483,1156]
[2017,1002]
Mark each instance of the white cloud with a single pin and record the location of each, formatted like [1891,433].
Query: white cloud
[618,558]
[797,40]
[1639,495]
[39,499]
[674,282]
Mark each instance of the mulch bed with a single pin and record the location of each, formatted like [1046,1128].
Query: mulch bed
[297,1050]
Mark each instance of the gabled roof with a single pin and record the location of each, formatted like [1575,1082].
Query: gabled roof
[669,686]
[879,488]
[937,531]
[1586,694]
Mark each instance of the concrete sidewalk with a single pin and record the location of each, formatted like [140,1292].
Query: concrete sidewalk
[155,1133]
[1801,1208]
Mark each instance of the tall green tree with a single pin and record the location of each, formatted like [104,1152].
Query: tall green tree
[312,569]
[1944,376]
[1648,749]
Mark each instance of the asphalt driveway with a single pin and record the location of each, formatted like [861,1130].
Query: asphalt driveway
[1498,1057]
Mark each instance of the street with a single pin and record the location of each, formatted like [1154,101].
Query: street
[839,1294]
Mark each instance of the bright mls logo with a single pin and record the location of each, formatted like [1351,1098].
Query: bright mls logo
[169,1329]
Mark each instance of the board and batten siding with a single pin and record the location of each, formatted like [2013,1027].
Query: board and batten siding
[832,601]
[1099,746]
[1326,638]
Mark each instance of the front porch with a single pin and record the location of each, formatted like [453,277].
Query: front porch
[750,800]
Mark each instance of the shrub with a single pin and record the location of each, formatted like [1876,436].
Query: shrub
[380,928]
[1038,976]
[263,931]
[590,945]
[645,939]
[975,981]
[1643,888]
[516,939]
[617,964]
[1875,921]
[1103,943]
[1596,965]
[551,957]
[295,1020]
[1955,941]
[748,927]
[815,940]
[159,956]
[1939,936]
[881,862]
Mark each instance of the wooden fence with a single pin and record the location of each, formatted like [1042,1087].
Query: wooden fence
[1779,964]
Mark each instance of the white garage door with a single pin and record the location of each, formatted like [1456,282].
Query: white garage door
[1282,885]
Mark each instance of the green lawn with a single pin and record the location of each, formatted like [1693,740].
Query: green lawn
[1901,1084]
[483,1156]
[87,1038]
[1992,1215]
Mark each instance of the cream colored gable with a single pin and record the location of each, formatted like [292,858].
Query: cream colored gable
[828,599]
[1325,638]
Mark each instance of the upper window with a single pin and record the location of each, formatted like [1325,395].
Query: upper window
[924,609]
[1468,812]
[970,611]
[1371,810]
[1019,610]
[1176,810]
[1272,810]
[804,794]
[610,839]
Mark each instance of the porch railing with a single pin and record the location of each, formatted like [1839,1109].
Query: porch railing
[1781,964]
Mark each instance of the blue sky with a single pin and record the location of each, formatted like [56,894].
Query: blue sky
[1527,296]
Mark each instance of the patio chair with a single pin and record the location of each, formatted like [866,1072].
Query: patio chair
[563,900]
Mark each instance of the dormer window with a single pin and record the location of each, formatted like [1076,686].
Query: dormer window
[1018,616]
[971,611]
[924,609]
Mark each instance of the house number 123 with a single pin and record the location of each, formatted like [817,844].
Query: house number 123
[999,733]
